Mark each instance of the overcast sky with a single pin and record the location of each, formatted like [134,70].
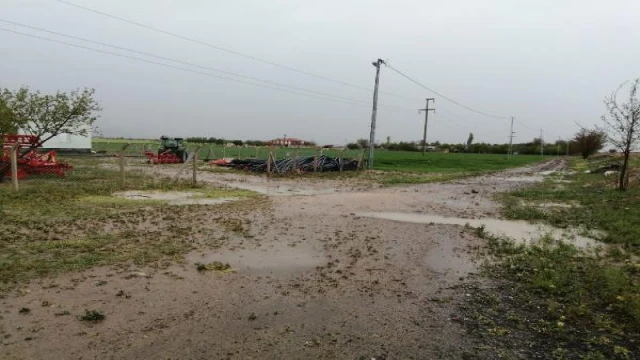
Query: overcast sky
[549,63]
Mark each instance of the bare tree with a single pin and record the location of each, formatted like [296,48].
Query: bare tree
[622,125]
[46,116]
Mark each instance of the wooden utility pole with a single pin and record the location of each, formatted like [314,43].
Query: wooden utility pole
[426,121]
[511,134]
[374,112]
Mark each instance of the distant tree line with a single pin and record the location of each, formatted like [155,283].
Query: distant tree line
[221,141]
[584,143]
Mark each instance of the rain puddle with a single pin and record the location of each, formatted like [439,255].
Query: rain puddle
[268,259]
[520,231]
[174,197]
[450,260]
[280,190]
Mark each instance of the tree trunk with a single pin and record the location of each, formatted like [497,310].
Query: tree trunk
[622,184]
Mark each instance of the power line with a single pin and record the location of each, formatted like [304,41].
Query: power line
[345,101]
[442,96]
[237,53]
[187,63]
[526,127]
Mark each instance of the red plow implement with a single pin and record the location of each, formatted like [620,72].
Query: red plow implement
[30,161]
[166,157]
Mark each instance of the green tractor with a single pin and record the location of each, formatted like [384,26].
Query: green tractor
[171,151]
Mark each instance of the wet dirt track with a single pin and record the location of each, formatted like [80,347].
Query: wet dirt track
[313,279]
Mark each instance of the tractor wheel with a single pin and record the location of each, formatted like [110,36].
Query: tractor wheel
[184,156]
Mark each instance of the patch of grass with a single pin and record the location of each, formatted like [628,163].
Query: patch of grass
[596,205]
[92,316]
[216,193]
[55,225]
[448,163]
[49,257]
[568,303]
[118,201]
[215,266]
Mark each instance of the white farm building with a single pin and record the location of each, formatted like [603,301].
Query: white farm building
[67,143]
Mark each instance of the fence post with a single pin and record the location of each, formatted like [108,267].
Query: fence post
[14,166]
[340,159]
[194,181]
[269,162]
[315,161]
[361,161]
[256,152]
[122,167]
[224,151]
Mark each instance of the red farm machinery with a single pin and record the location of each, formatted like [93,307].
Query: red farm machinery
[30,162]
[171,151]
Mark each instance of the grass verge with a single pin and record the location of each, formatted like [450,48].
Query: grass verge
[551,301]
[590,201]
[55,225]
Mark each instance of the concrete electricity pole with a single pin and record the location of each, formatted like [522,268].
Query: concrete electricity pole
[511,132]
[426,121]
[372,135]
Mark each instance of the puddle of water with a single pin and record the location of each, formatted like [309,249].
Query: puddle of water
[279,190]
[174,197]
[450,261]
[551,205]
[519,231]
[268,259]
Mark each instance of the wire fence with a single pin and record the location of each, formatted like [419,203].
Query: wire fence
[124,166]
[212,152]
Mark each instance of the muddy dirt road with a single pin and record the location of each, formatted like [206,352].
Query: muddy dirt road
[316,276]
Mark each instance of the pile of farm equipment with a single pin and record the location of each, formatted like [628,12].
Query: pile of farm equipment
[29,161]
[299,164]
[171,151]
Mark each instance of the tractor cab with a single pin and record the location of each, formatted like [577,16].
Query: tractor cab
[173,144]
[171,150]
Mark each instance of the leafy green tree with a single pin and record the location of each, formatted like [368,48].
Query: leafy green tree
[363,143]
[588,142]
[47,116]
[469,140]
[8,121]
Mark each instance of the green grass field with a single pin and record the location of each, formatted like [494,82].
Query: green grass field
[396,161]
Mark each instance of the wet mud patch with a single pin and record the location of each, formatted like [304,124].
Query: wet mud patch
[275,258]
[520,231]
[175,197]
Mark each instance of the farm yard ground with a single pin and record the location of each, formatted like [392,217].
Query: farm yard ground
[322,272]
